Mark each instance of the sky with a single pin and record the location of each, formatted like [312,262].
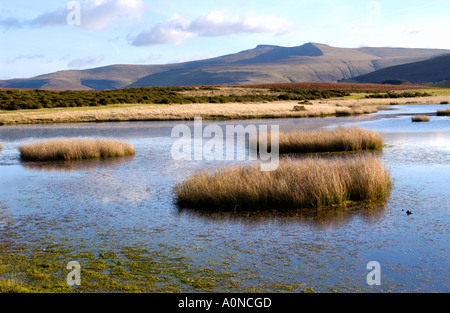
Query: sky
[39,37]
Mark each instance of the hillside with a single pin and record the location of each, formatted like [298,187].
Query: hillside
[310,62]
[101,78]
[273,64]
[435,70]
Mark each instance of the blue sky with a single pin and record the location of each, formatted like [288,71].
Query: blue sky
[39,37]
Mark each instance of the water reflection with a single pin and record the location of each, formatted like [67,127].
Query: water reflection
[72,166]
[320,218]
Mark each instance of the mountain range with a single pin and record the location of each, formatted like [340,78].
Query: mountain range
[311,62]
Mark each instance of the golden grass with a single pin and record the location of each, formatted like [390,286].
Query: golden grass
[75,149]
[310,183]
[438,96]
[209,111]
[340,139]
[420,118]
[443,112]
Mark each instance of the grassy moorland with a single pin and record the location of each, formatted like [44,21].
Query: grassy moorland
[309,183]
[39,99]
[341,139]
[209,102]
[75,149]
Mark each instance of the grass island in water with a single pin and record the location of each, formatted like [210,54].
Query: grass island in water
[75,149]
[341,139]
[310,183]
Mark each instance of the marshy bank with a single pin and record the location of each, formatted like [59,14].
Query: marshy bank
[310,183]
[179,112]
[208,102]
[75,149]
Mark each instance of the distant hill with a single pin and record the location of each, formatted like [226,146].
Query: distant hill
[310,62]
[101,78]
[432,71]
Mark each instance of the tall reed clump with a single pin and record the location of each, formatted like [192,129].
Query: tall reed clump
[341,139]
[420,118]
[75,149]
[443,112]
[310,183]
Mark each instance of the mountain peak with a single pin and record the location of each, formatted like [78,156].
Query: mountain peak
[266,46]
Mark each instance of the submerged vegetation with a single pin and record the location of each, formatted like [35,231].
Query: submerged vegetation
[309,183]
[75,149]
[341,139]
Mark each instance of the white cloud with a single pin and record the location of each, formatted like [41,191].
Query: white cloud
[98,14]
[94,15]
[174,31]
[214,24]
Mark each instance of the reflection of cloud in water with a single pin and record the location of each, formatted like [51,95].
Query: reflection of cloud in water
[120,189]
[98,181]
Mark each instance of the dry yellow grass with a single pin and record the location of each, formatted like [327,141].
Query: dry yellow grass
[443,112]
[178,112]
[435,99]
[75,149]
[309,183]
[341,139]
[420,118]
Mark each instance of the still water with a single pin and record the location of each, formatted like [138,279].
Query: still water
[107,204]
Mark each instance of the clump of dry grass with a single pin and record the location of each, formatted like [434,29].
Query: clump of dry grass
[341,139]
[310,183]
[11,285]
[420,118]
[75,149]
[443,112]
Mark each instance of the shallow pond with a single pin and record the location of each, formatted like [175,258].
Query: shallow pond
[111,204]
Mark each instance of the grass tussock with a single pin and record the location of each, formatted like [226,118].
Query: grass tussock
[310,183]
[75,149]
[443,112]
[341,139]
[12,285]
[420,118]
